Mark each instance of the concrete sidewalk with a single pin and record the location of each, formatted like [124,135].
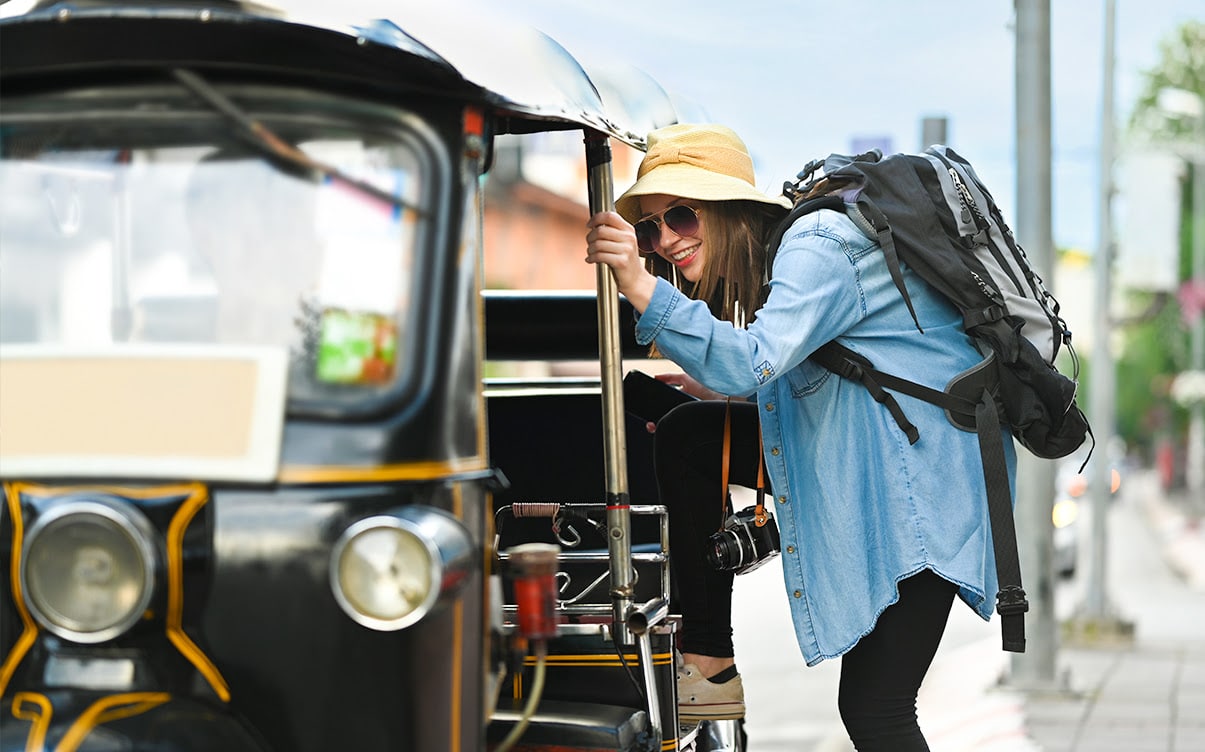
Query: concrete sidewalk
[1144,695]
[1148,694]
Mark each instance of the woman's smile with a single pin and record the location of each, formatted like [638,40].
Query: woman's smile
[683,257]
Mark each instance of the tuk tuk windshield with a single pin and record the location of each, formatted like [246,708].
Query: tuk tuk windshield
[153,222]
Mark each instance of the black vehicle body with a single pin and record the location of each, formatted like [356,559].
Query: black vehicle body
[335,575]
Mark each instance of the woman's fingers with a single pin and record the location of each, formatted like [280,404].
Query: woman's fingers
[673,379]
[612,241]
[689,385]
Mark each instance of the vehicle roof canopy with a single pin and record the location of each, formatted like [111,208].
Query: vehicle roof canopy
[521,76]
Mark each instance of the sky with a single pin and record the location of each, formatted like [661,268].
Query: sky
[798,79]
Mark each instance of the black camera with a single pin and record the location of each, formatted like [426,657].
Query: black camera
[742,546]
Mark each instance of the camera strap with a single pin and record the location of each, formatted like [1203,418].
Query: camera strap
[760,515]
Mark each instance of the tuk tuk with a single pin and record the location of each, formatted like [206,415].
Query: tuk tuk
[258,493]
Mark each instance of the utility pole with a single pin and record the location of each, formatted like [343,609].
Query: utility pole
[1104,377]
[933,131]
[1095,620]
[1035,668]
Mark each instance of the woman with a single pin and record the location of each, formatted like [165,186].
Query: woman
[877,536]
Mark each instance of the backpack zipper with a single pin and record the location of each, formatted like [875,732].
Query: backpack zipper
[968,203]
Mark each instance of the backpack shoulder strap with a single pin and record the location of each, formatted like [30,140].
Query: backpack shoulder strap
[850,365]
[882,229]
[806,206]
[871,219]
[1011,602]
[984,420]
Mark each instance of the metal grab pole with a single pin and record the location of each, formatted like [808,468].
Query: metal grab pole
[619,519]
[641,622]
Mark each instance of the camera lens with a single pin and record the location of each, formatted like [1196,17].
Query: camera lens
[725,551]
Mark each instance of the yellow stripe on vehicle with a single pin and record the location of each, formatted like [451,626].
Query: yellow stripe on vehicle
[175,592]
[424,470]
[111,708]
[457,667]
[659,659]
[457,639]
[39,717]
[29,633]
[150,492]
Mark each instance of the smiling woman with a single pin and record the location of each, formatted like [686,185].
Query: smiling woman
[698,183]
[874,551]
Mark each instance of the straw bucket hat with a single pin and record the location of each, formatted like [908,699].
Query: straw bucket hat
[705,162]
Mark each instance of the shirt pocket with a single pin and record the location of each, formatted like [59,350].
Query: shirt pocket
[807,378]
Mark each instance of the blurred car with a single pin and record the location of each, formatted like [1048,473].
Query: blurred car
[1071,493]
[1068,495]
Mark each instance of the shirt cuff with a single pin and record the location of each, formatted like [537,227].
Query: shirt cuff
[661,305]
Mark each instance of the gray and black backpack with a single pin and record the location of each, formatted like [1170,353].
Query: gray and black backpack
[931,212]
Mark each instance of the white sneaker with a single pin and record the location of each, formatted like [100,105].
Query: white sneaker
[700,699]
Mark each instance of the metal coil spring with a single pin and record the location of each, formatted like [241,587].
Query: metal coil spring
[535,509]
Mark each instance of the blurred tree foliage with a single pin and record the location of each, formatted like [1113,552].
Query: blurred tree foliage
[1156,346]
[1181,66]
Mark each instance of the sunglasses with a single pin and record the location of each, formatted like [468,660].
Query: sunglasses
[681,219]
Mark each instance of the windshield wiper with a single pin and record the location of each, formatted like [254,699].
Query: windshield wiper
[262,137]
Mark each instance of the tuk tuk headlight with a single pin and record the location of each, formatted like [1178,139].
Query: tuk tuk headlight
[88,569]
[388,571]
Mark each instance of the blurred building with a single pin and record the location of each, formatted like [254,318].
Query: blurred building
[536,211]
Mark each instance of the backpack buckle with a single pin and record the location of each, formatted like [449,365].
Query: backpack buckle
[803,180]
[1011,600]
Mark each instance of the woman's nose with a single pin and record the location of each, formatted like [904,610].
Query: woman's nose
[665,236]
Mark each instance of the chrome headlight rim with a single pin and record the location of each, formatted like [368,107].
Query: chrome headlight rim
[138,531]
[435,571]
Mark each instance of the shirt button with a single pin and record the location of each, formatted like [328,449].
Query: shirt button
[782,499]
[769,407]
[798,594]
[775,451]
[790,549]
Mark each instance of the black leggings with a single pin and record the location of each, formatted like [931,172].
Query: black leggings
[882,674]
[688,456]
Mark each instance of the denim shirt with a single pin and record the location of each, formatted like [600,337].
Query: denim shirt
[859,509]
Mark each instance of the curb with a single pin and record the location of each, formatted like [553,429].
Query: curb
[1181,537]
[962,705]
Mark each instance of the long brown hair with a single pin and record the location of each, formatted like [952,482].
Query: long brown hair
[734,270]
